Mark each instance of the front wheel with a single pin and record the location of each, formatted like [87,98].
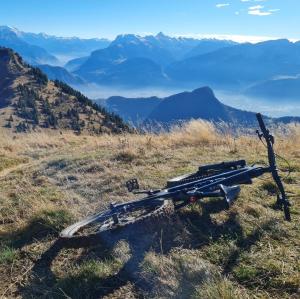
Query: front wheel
[106,220]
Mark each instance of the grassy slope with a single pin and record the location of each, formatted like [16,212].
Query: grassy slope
[47,181]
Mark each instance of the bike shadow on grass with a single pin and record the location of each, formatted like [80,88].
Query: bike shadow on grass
[159,237]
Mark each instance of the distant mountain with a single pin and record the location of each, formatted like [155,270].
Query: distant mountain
[61,74]
[239,65]
[70,46]
[32,54]
[205,46]
[281,88]
[73,64]
[132,72]
[29,101]
[131,109]
[198,104]
[127,53]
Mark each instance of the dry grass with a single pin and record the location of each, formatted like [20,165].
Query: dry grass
[47,180]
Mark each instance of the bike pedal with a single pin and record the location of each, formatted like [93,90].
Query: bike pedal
[132,184]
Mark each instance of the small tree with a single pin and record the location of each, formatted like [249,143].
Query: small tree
[8,124]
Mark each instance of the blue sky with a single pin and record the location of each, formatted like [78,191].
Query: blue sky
[107,18]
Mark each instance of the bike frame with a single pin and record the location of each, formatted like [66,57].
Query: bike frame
[211,185]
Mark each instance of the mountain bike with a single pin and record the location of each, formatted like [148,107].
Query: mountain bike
[216,180]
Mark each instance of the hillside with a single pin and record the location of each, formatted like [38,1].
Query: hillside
[60,74]
[29,101]
[47,181]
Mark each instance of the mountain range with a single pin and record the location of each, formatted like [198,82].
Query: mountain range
[30,101]
[137,62]
[68,46]
[268,70]
[32,54]
[240,65]
[130,57]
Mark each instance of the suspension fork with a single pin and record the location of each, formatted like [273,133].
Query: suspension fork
[282,201]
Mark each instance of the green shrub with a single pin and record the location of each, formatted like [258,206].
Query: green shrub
[7,255]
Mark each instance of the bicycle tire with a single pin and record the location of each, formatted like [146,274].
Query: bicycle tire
[101,222]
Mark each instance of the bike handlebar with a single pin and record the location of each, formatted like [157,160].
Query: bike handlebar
[261,123]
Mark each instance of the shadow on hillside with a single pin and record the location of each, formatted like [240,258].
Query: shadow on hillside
[161,238]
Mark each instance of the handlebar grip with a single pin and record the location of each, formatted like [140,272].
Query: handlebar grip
[261,123]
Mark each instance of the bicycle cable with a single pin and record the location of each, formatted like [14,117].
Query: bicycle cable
[283,159]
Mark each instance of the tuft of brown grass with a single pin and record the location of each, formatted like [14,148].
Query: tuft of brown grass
[193,133]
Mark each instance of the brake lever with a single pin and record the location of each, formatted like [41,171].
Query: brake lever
[259,134]
[270,137]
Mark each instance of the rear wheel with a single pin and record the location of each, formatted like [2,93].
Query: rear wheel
[107,220]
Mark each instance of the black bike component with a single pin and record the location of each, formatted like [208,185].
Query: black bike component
[230,194]
[114,213]
[231,165]
[282,200]
[132,184]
